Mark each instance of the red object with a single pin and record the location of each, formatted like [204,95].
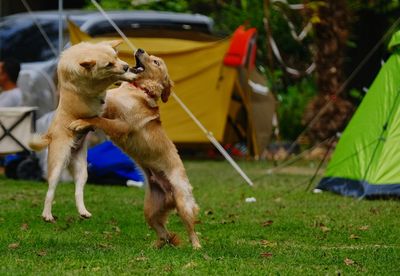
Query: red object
[242,51]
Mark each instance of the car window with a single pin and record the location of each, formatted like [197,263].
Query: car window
[22,40]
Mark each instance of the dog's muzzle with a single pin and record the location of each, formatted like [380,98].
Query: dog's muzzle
[139,68]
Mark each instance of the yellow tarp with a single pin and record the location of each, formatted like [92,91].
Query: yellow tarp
[201,82]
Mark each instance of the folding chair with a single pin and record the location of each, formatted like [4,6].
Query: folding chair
[16,127]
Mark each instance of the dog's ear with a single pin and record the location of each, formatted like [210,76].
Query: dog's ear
[167,87]
[151,85]
[88,64]
[114,43]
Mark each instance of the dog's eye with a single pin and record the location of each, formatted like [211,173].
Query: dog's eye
[110,64]
[156,62]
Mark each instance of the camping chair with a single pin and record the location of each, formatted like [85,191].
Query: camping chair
[16,127]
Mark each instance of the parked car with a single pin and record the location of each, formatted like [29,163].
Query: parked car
[21,38]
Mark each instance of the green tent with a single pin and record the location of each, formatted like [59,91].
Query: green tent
[366,162]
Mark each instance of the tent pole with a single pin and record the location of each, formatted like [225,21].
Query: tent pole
[127,41]
[41,30]
[214,141]
[331,142]
[252,143]
[381,138]
[209,134]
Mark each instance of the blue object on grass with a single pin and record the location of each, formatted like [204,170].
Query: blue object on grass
[106,158]
[10,158]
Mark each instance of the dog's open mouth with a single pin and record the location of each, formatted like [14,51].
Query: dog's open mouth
[139,68]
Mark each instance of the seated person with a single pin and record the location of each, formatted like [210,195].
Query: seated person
[10,95]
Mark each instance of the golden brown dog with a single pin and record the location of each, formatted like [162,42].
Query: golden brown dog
[85,71]
[132,120]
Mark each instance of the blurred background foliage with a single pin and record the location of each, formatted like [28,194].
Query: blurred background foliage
[369,21]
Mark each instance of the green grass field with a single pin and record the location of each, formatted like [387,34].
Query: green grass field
[287,231]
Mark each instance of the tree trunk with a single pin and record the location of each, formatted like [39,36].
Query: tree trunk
[328,112]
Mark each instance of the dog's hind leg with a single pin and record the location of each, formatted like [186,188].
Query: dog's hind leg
[187,211]
[157,206]
[58,156]
[185,205]
[78,167]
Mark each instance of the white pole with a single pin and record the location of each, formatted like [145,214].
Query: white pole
[60,26]
[214,141]
[209,135]
[45,36]
[127,41]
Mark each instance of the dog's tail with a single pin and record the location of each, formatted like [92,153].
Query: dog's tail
[39,141]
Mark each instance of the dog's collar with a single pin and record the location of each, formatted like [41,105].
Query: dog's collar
[146,91]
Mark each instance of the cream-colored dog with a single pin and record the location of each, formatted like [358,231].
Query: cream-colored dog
[132,120]
[85,71]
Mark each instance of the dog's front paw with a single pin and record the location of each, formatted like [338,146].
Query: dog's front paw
[80,125]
